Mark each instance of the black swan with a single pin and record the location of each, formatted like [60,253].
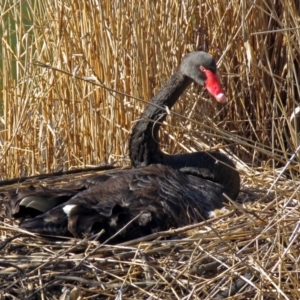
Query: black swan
[165,191]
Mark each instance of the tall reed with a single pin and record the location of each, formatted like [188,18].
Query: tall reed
[54,115]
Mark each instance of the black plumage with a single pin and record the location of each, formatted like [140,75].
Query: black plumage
[164,191]
[153,193]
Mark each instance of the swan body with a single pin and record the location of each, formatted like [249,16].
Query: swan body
[110,201]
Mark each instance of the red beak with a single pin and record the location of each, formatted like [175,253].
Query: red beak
[213,86]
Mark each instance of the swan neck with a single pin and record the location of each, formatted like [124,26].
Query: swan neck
[144,141]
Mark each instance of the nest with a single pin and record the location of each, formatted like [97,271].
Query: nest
[249,250]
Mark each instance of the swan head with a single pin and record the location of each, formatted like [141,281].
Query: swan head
[201,68]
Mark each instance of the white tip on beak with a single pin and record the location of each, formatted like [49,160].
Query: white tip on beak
[221,98]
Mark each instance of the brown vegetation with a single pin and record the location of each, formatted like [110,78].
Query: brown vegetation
[76,74]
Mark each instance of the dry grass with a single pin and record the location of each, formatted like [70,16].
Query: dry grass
[52,119]
[248,251]
[102,58]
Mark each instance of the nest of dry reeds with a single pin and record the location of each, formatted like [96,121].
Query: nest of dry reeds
[249,250]
[75,75]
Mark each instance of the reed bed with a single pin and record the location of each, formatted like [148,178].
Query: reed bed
[76,75]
